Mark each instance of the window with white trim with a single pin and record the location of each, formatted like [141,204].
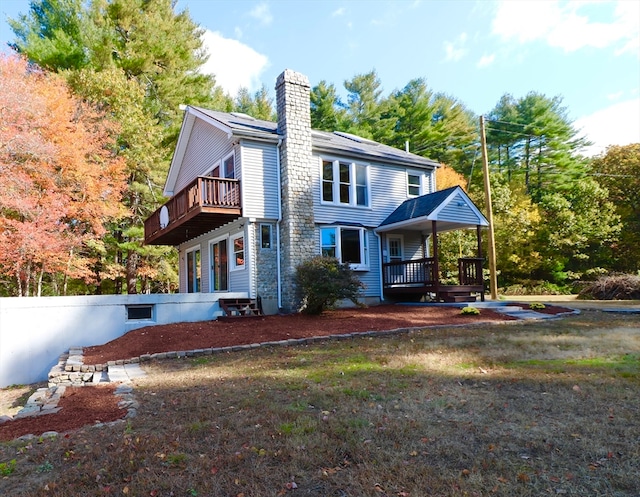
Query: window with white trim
[238,254]
[415,183]
[347,244]
[345,183]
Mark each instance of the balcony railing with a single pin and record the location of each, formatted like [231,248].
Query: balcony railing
[204,195]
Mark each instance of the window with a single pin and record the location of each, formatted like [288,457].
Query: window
[228,167]
[265,236]
[219,267]
[348,245]
[139,312]
[414,184]
[345,183]
[237,244]
[193,271]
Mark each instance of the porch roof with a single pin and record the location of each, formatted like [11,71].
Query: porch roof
[451,208]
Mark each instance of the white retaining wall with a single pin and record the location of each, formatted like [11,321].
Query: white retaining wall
[35,331]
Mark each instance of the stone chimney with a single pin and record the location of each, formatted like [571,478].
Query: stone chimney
[297,235]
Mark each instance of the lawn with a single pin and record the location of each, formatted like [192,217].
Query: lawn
[535,408]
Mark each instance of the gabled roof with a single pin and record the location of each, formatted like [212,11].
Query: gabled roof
[244,126]
[451,207]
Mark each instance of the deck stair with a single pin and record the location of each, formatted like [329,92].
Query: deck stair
[240,307]
[451,296]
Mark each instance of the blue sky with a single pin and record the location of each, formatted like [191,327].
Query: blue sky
[584,51]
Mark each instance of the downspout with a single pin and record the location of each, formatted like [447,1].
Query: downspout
[278,270]
[380,256]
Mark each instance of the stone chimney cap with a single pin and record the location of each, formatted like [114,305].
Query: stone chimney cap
[292,77]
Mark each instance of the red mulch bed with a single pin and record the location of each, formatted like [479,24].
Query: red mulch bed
[212,334]
[80,406]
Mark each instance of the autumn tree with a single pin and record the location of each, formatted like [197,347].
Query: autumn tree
[618,170]
[60,180]
[139,61]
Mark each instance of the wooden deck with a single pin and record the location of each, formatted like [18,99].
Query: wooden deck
[205,204]
[420,277]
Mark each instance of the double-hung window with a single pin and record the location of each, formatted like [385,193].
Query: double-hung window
[415,183]
[347,244]
[345,183]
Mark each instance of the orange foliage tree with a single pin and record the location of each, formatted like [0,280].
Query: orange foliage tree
[446,177]
[60,179]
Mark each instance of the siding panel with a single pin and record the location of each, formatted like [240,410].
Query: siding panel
[259,180]
[207,145]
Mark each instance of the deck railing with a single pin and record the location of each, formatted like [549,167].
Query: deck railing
[422,272]
[203,191]
[410,273]
[470,271]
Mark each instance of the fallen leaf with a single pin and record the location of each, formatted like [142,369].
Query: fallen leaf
[502,479]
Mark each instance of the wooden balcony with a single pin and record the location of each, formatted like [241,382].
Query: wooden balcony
[205,204]
[420,277]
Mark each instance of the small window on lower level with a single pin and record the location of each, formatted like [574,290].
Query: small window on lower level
[139,312]
[265,236]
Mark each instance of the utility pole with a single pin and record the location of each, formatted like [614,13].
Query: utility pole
[493,278]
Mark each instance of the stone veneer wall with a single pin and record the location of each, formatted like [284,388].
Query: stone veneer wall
[266,265]
[297,227]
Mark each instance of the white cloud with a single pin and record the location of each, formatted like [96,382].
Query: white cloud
[486,60]
[338,12]
[566,25]
[455,50]
[618,124]
[262,13]
[234,64]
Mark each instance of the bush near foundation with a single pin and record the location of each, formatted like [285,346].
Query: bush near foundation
[614,287]
[323,281]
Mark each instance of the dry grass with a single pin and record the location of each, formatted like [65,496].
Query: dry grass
[529,409]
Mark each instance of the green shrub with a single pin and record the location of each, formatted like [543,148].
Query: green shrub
[470,311]
[6,468]
[323,281]
[615,287]
[536,305]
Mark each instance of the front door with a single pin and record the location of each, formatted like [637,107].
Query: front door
[219,267]
[395,254]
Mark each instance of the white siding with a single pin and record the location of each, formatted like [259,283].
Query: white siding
[458,213]
[387,190]
[239,280]
[207,145]
[259,180]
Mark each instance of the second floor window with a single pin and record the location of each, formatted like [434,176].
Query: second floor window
[345,183]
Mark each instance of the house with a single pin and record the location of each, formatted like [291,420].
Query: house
[251,200]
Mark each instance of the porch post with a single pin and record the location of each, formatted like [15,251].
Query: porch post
[436,266]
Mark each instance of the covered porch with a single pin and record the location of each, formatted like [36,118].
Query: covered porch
[417,275]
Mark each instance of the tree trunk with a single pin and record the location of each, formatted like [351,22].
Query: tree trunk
[132,272]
